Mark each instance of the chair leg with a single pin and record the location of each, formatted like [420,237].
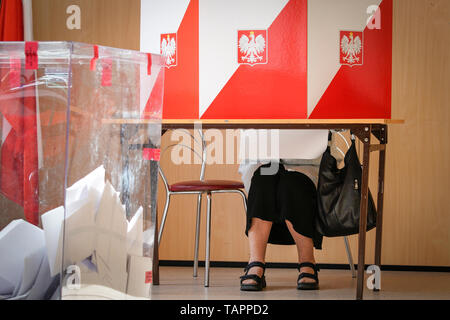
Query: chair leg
[350,258]
[208,238]
[197,234]
[163,221]
[244,198]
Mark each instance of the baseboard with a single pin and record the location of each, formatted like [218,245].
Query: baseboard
[290,265]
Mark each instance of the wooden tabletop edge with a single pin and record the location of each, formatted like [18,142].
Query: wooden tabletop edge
[253,121]
[283,121]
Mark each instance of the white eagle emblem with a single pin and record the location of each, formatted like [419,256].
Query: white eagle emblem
[168,50]
[351,48]
[252,49]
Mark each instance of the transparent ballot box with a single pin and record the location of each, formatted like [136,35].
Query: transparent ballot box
[80,138]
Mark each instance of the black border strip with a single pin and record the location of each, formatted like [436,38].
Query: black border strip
[290,265]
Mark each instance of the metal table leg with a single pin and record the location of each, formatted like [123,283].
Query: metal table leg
[365,137]
[380,200]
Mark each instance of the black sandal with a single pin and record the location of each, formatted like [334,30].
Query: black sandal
[260,281]
[308,285]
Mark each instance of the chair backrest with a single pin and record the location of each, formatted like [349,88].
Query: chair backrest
[202,156]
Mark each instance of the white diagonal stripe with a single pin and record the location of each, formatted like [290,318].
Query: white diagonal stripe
[219,23]
[158,17]
[325,19]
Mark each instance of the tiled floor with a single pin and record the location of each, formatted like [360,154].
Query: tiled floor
[177,283]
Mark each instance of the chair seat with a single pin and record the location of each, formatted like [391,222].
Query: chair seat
[206,185]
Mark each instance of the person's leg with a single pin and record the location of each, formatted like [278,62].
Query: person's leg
[305,250]
[258,234]
[298,203]
[261,211]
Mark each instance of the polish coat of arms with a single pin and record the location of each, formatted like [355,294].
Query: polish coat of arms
[351,48]
[169,49]
[252,47]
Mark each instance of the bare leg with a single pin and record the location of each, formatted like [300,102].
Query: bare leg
[305,250]
[258,235]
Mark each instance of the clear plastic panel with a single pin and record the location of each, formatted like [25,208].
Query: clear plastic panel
[79,165]
[33,120]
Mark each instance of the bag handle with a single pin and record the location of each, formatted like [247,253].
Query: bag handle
[352,137]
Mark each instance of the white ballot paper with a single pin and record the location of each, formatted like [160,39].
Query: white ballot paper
[140,276]
[82,200]
[31,265]
[42,282]
[111,245]
[23,269]
[52,222]
[78,229]
[93,183]
[97,238]
[135,231]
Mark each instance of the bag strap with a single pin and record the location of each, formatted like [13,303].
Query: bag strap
[352,138]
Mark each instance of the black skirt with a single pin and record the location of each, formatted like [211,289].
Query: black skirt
[286,195]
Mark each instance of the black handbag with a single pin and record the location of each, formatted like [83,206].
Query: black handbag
[339,196]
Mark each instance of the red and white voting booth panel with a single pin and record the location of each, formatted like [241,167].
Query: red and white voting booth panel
[238,59]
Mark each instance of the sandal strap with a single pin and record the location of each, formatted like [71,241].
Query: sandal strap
[251,277]
[310,265]
[302,275]
[255,264]
[307,275]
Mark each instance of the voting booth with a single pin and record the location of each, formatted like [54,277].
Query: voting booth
[81,130]
[274,59]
